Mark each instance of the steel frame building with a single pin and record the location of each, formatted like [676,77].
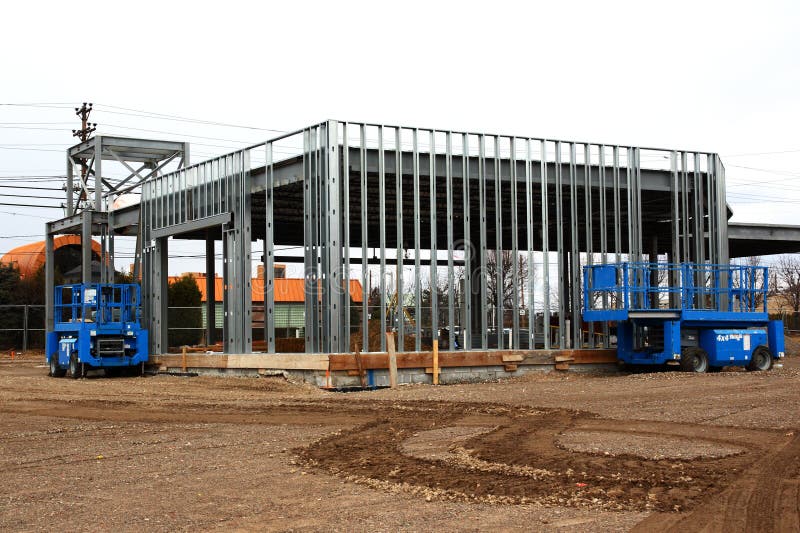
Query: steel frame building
[441,202]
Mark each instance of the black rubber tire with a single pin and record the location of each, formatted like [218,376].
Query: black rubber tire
[75,368]
[694,360]
[55,370]
[760,360]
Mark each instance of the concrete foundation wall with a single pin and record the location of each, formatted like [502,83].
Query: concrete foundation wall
[380,377]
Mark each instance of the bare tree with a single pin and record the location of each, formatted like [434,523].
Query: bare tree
[759,279]
[506,267]
[787,280]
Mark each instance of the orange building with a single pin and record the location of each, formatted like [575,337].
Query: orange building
[289,299]
[29,258]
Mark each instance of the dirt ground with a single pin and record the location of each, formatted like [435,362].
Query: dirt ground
[550,451]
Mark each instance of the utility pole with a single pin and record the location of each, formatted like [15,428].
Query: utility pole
[83,134]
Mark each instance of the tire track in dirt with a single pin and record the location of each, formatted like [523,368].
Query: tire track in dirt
[373,454]
[370,450]
[766,497]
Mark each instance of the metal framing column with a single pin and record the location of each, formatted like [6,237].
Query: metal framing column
[382,235]
[237,259]
[70,186]
[574,253]
[417,238]
[49,279]
[722,213]
[469,249]
[269,257]
[346,326]
[434,252]
[310,239]
[211,289]
[86,246]
[332,290]
[675,250]
[365,288]
[499,291]
[588,214]
[110,264]
[159,301]
[98,173]
[529,242]
[515,344]
[399,308]
[560,252]
[484,249]
[603,229]
[545,245]
[451,289]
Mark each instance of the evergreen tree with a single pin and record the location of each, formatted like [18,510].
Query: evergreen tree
[185,311]
[10,317]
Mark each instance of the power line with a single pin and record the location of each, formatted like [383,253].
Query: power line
[769,171]
[164,116]
[32,128]
[33,123]
[28,196]
[57,105]
[14,213]
[31,187]
[31,149]
[762,153]
[31,176]
[176,133]
[31,205]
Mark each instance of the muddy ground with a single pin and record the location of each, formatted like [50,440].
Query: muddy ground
[550,451]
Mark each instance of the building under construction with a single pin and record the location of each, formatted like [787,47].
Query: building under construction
[471,240]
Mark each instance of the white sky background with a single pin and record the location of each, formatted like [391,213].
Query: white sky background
[711,76]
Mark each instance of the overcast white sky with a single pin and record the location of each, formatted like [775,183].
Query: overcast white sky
[715,76]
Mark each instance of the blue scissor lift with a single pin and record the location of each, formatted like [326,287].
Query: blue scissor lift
[96,326]
[699,316]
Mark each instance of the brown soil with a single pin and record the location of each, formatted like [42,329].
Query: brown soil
[665,451]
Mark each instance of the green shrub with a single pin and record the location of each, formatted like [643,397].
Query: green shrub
[184,300]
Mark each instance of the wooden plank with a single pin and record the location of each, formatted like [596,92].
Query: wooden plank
[380,360]
[595,357]
[362,377]
[435,362]
[449,359]
[510,367]
[392,360]
[254,361]
[562,366]
[192,361]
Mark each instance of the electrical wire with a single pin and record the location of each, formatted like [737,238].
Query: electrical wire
[30,205]
[164,116]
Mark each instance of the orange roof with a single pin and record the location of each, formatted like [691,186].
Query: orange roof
[30,257]
[287,290]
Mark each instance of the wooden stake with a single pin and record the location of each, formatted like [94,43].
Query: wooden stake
[436,362]
[361,376]
[392,360]
[183,359]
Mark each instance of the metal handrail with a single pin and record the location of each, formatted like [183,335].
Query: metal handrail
[676,287]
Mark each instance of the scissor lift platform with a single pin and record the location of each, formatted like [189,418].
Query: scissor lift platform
[699,316]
